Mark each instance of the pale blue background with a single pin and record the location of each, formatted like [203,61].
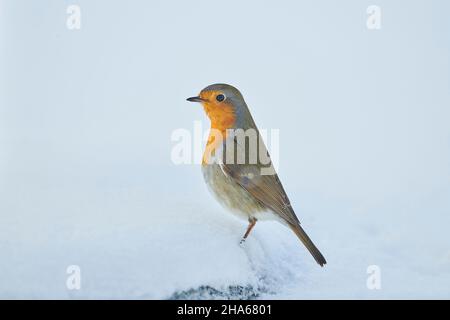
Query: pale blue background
[86,118]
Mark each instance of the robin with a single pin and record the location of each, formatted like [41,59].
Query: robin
[238,181]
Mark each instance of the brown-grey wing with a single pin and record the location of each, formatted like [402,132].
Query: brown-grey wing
[267,189]
[261,181]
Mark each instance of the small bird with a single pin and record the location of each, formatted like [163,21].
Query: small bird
[230,170]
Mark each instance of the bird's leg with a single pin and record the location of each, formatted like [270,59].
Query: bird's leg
[251,224]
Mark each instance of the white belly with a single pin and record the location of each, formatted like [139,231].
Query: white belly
[232,196]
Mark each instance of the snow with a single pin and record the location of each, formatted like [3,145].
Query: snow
[129,245]
[182,247]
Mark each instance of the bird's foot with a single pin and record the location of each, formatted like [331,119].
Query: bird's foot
[242,241]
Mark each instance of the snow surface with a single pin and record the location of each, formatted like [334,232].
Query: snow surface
[189,248]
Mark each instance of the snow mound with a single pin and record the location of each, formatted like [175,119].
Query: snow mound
[182,251]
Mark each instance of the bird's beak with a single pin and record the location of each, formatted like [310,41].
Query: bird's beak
[195,99]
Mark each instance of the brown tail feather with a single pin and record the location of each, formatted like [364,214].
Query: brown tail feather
[301,234]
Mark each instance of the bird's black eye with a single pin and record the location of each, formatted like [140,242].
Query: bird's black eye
[220,97]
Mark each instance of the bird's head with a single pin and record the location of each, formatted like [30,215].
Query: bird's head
[225,107]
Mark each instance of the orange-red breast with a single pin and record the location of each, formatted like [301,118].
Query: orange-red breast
[235,178]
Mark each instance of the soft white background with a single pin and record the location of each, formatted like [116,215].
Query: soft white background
[86,119]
